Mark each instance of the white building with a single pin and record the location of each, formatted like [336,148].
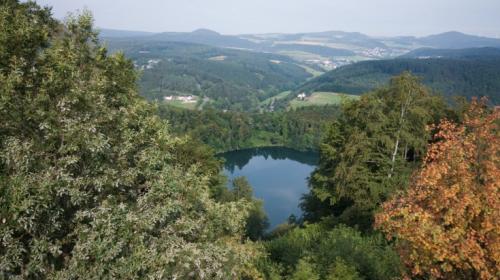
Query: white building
[183,99]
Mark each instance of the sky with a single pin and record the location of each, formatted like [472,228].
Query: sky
[373,17]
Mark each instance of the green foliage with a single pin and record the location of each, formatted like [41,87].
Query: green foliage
[257,221]
[191,153]
[91,181]
[93,184]
[280,230]
[233,79]
[304,271]
[371,150]
[340,270]
[242,189]
[451,77]
[300,129]
[335,253]
[268,269]
[37,32]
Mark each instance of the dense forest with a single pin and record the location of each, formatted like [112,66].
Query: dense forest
[233,79]
[97,182]
[301,129]
[484,53]
[449,77]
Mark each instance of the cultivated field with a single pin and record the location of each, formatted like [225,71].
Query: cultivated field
[321,98]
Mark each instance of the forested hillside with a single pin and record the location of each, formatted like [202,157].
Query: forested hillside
[232,79]
[301,129]
[450,77]
[458,40]
[240,80]
[97,182]
[467,53]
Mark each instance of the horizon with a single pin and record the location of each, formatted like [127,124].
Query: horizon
[385,18]
[291,33]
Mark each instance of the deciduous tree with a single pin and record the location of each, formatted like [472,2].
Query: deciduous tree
[447,224]
[371,150]
[90,186]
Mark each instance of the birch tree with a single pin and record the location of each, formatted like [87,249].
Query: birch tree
[446,225]
[371,150]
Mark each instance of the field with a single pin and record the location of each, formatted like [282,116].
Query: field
[277,97]
[181,104]
[321,98]
[314,73]
[301,55]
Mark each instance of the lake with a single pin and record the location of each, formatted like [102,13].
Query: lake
[278,177]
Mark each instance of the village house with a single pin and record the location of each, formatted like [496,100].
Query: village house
[183,99]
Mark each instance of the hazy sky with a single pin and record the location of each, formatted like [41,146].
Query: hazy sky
[374,17]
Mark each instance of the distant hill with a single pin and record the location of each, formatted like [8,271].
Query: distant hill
[319,50]
[353,41]
[457,40]
[114,33]
[349,38]
[470,53]
[460,77]
[240,80]
[232,79]
[336,37]
[314,49]
[206,37]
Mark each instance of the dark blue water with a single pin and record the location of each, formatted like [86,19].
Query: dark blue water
[278,177]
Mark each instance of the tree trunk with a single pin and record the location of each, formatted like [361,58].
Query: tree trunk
[404,106]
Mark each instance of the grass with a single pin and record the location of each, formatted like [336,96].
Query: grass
[301,55]
[315,73]
[180,104]
[281,95]
[321,98]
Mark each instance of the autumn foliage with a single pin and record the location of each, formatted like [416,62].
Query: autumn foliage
[447,224]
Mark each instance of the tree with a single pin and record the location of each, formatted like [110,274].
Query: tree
[371,150]
[257,221]
[324,248]
[304,271]
[446,224]
[89,185]
[340,270]
[242,189]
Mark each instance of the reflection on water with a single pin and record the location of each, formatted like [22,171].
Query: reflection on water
[242,157]
[277,175]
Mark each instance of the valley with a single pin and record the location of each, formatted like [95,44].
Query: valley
[261,156]
[251,73]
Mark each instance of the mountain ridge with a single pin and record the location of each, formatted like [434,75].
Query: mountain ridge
[431,38]
[448,76]
[314,47]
